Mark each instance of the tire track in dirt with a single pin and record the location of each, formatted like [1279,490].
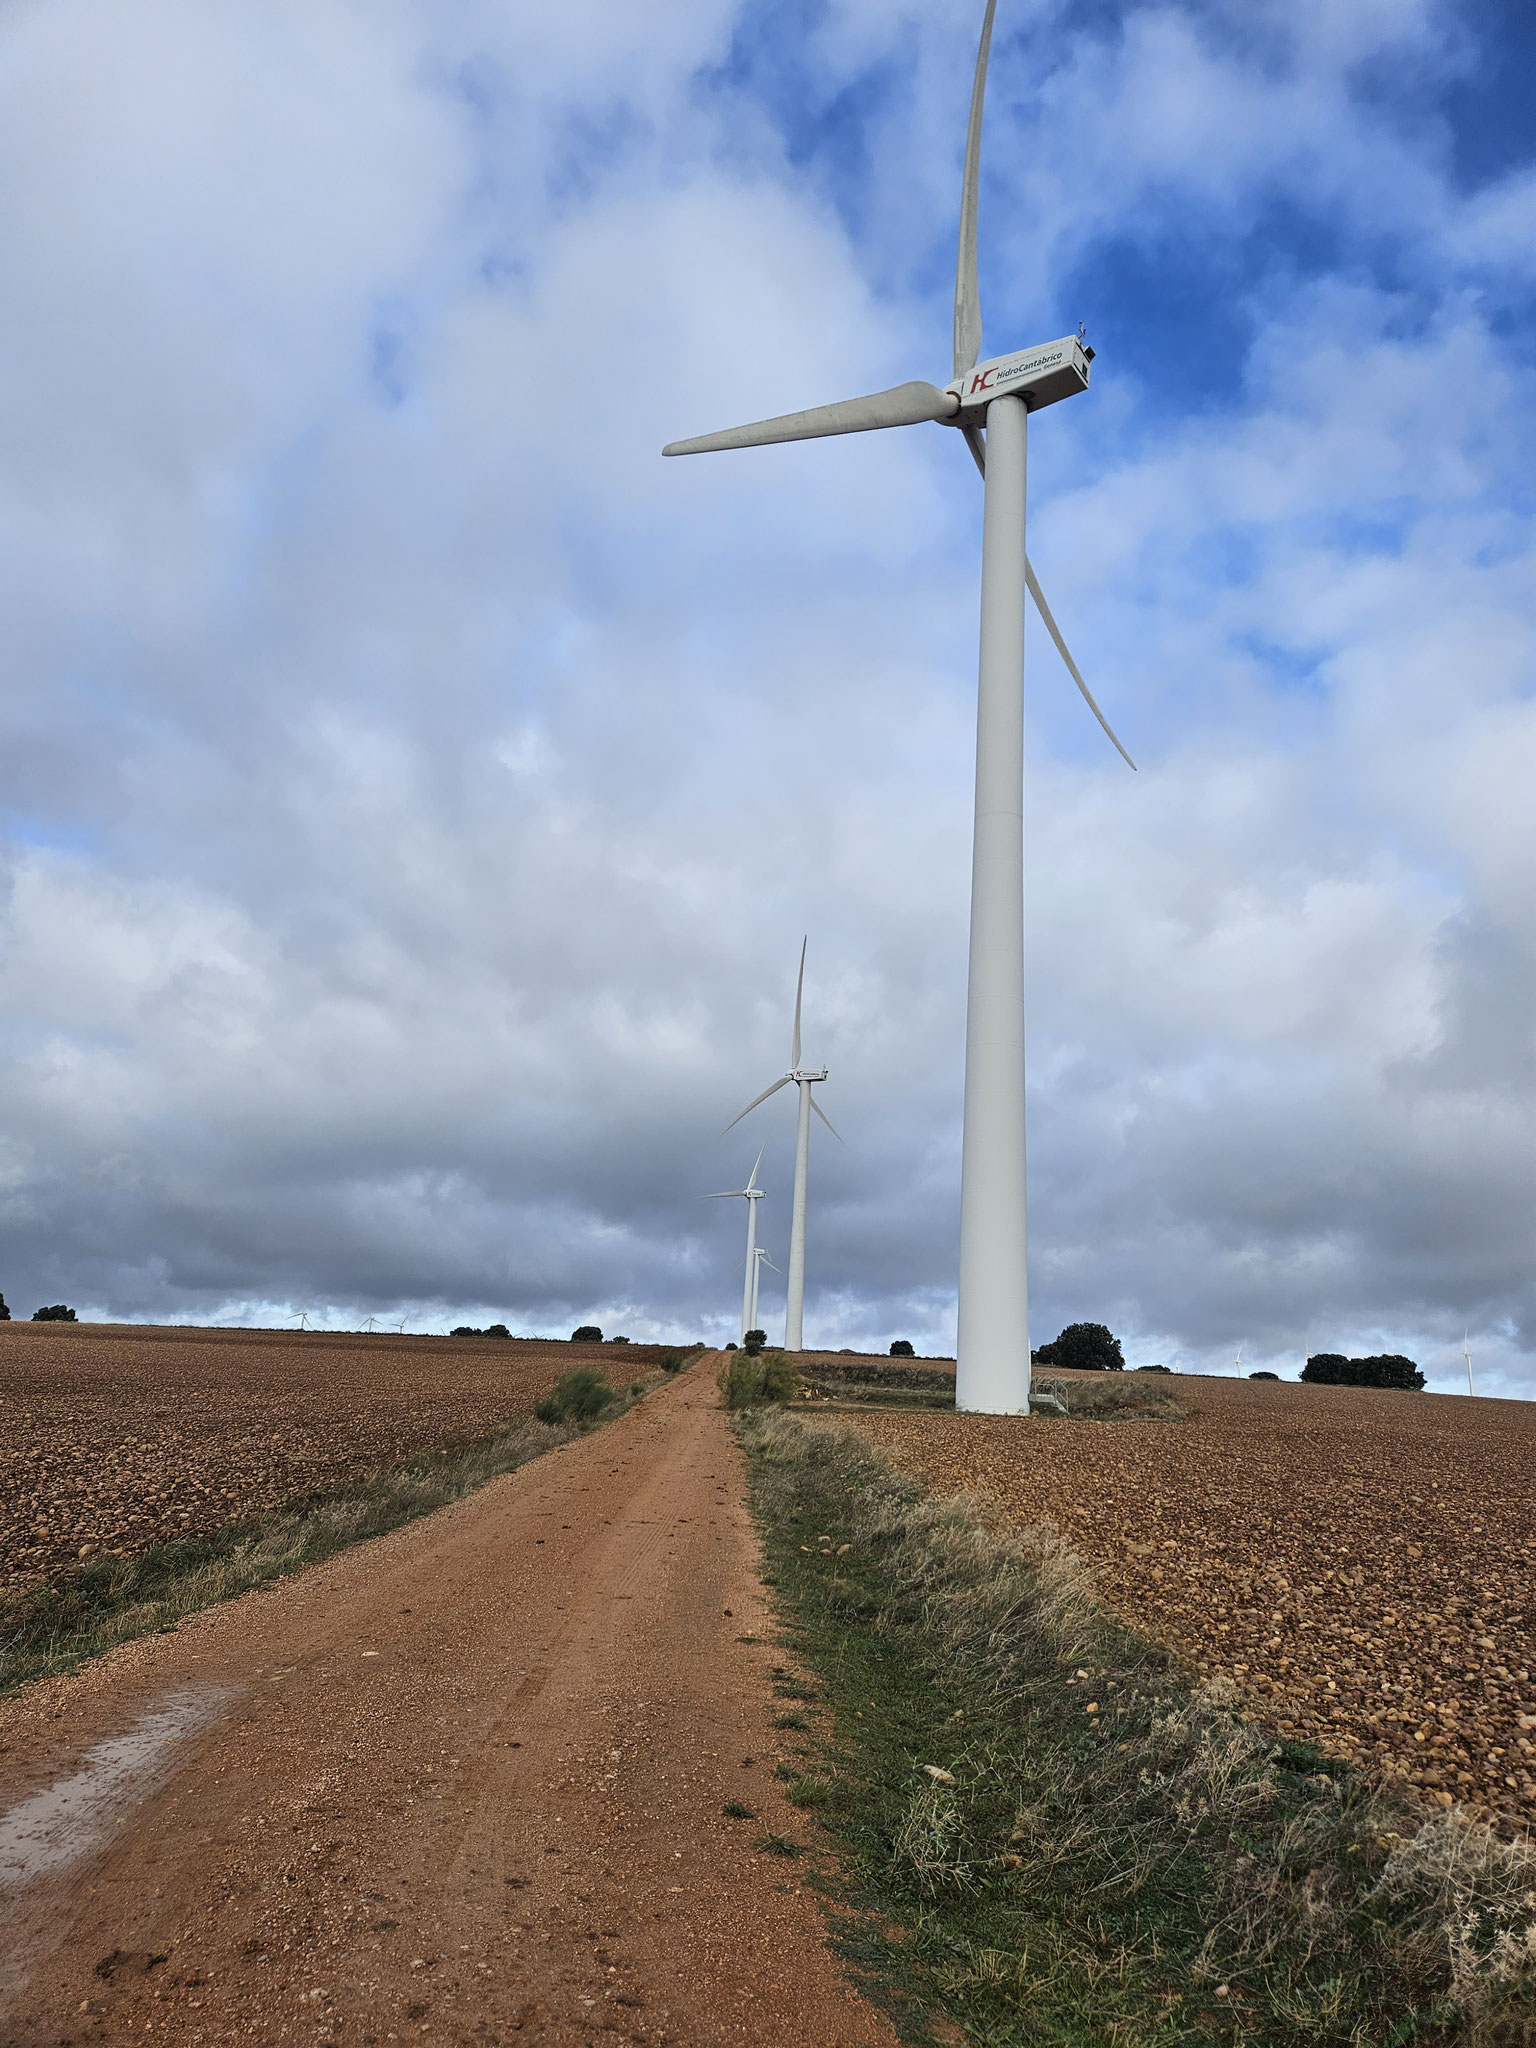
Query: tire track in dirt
[466,1784]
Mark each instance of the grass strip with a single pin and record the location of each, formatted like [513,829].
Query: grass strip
[1047,1837]
[58,1627]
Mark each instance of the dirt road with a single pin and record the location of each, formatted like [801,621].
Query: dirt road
[463,1784]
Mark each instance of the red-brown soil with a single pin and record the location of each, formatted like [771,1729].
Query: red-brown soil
[116,1436]
[465,1783]
[1360,1566]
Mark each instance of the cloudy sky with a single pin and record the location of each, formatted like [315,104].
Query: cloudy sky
[416,791]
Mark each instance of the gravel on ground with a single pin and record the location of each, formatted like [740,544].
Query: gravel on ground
[1357,1566]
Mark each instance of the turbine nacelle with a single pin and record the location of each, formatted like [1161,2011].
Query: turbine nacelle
[1040,376]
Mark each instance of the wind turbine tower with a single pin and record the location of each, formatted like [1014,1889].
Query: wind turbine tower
[1466,1352]
[989,403]
[804,1078]
[751,1194]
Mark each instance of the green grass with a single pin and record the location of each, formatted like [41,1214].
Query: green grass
[755,1379]
[1150,1874]
[58,1627]
[581,1397]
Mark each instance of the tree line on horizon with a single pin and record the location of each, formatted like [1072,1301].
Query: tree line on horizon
[58,1313]
[1093,1347]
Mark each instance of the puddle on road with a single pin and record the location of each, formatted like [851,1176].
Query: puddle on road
[57,1826]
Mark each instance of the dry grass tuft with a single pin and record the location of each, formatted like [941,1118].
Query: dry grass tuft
[1128,1836]
[1356,1564]
[1105,1397]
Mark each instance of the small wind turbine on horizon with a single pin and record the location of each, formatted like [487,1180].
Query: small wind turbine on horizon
[760,1259]
[990,404]
[805,1079]
[1466,1352]
[752,1194]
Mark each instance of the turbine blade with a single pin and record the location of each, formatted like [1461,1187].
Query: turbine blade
[1072,668]
[724,1194]
[794,1045]
[782,1080]
[904,405]
[828,1121]
[752,1176]
[967,297]
[976,441]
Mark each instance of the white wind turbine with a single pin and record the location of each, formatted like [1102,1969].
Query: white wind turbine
[804,1079]
[752,1194]
[1466,1352]
[760,1259]
[989,403]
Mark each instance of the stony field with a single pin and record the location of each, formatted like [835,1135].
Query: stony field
[116,1436]
[1360,1566]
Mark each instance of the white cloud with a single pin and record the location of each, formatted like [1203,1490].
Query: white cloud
[420,789]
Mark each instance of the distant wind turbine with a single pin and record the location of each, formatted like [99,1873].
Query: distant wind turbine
[760,1259]
[1466,1352]
[1237,1363]
[751,1194]
[989,403]
[804,1079]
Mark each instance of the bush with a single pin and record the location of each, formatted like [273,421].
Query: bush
[581,1397]
[1082,1347]
[671,1361]
[589,1333]
[492,1330]
[757,1380]
[1330,1369]
[1263,1375]
[1154,1368]
[753,1342]
[497,1330]
[732,1347]
[618,1340]
[57,1314]
[901,1348]
[5,1314]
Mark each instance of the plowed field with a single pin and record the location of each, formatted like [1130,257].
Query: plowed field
[114,1437]
[1360,1566]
